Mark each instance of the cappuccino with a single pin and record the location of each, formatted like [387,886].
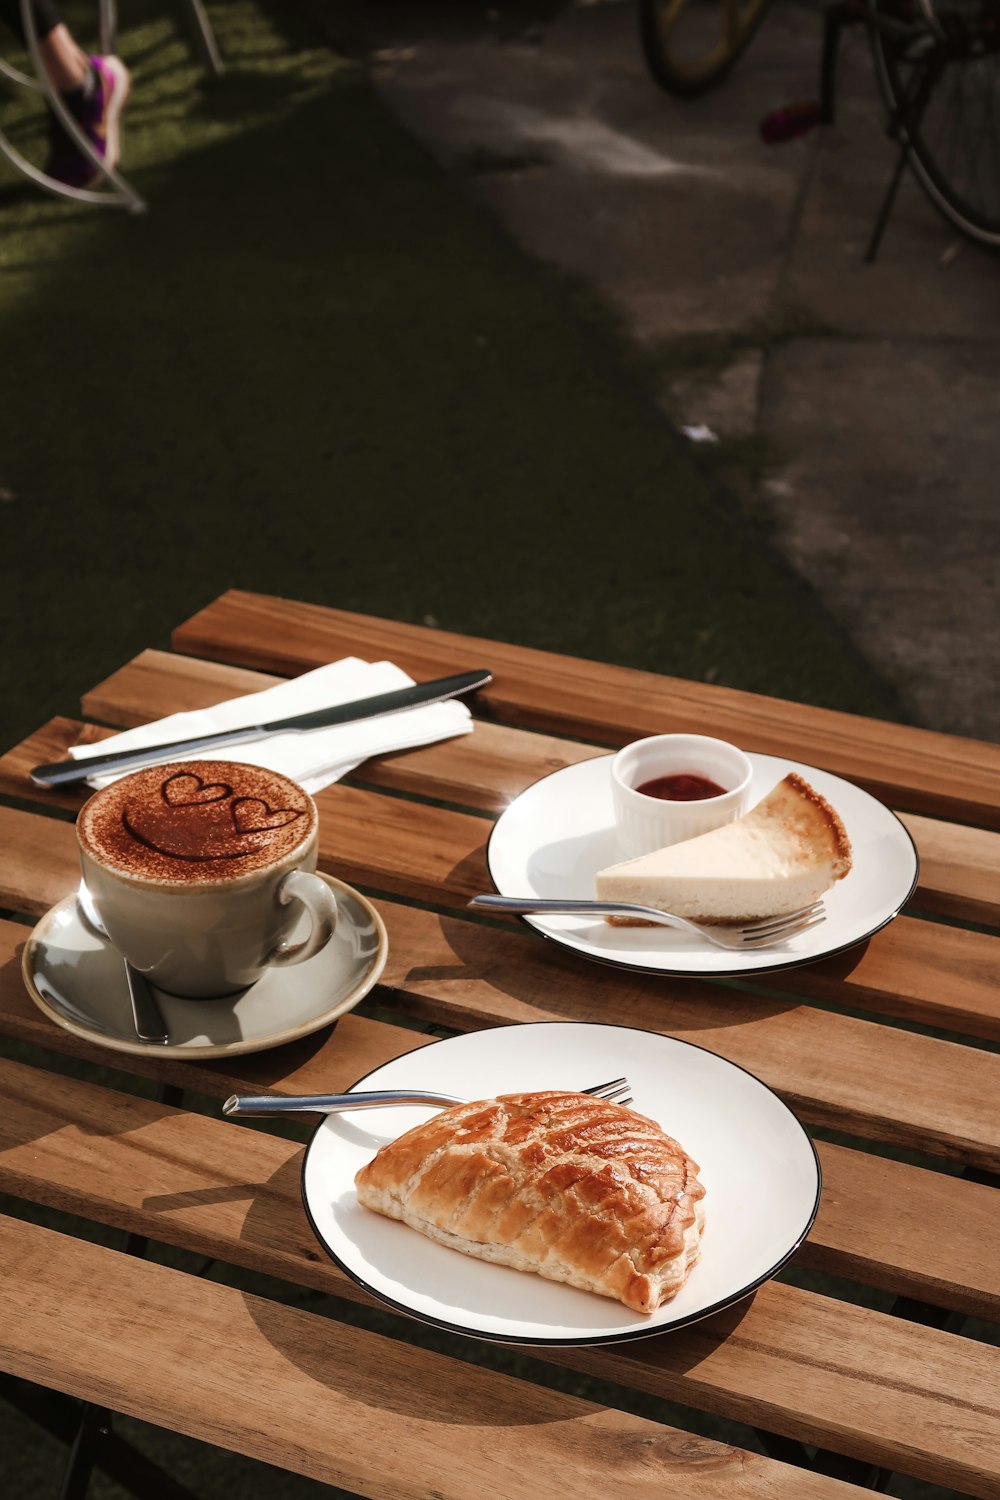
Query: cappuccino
[202,871]
[196,823]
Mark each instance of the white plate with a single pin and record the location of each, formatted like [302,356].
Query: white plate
[556,835]
[77,978]
[760,1171]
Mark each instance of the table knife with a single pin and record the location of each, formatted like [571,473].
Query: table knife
[65,772]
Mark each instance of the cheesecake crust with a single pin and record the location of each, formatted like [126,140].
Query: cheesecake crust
[841,844]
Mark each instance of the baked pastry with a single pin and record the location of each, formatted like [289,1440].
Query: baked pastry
[780,856]
[571,1187]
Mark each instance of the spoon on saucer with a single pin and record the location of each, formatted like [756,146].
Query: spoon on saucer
[146,1015]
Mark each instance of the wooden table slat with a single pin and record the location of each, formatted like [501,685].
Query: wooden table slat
[59,1141]
[358,1045]
[836,1070]
[959,869]
[840,1360]
[913,969]
[916,1233]
[816,1367]
[310,1394]
[190,681]
[959,866]
[144,1167]
[919,769]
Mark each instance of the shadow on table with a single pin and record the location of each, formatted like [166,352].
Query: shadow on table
[326,1354]
[279,1065]
[541,981]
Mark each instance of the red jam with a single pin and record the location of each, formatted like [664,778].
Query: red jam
[683,786]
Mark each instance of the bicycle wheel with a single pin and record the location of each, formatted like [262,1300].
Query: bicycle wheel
[954,146]
[690,45]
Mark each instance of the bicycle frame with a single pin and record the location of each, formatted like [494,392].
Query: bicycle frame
[943,34]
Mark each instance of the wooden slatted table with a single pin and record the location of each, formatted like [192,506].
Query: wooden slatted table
[870,1348]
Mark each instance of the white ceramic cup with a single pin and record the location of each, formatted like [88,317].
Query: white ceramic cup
[215,937]
[646,823]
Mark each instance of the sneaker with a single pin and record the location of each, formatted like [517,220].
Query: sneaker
[99,118]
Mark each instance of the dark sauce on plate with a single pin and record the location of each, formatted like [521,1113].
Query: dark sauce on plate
[682,786]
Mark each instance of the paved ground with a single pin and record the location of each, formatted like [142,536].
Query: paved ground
[857,406]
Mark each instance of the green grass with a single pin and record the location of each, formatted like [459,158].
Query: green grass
[312,368]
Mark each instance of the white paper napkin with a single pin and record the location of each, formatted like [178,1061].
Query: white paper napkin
[316,757]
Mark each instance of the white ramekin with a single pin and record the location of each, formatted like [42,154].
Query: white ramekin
[648,823]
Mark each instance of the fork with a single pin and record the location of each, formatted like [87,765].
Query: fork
[752,936]
[617,1091]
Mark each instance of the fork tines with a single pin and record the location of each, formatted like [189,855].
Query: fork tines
[618,1091]
[773,929]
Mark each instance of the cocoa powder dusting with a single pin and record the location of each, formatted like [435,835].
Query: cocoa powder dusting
[196,822]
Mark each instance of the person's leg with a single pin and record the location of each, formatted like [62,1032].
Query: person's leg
[94,90]
[96,105]
[66,64]
[45,18]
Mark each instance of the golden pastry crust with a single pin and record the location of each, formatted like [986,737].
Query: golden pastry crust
[567,1186]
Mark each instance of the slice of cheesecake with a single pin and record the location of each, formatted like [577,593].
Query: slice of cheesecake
[778,857]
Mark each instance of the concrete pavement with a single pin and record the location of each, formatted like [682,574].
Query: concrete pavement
[857,407]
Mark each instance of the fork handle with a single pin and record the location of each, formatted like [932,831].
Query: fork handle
[526,905]
[329,1104]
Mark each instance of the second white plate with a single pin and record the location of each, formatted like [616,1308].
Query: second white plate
[761,1177]
[556,835]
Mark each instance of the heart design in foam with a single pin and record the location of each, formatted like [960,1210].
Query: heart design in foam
[252,815]
[188,817]
[185,789]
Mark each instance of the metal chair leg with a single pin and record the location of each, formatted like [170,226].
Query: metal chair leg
[80,1462]
[905,119]
[886,207]
[107,26]
[16,76]
[99,1448]
[202,37]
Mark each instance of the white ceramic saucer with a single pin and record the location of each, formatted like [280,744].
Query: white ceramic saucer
[77,978]
[556,835]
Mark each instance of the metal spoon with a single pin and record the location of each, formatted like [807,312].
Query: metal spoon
[146,1014]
